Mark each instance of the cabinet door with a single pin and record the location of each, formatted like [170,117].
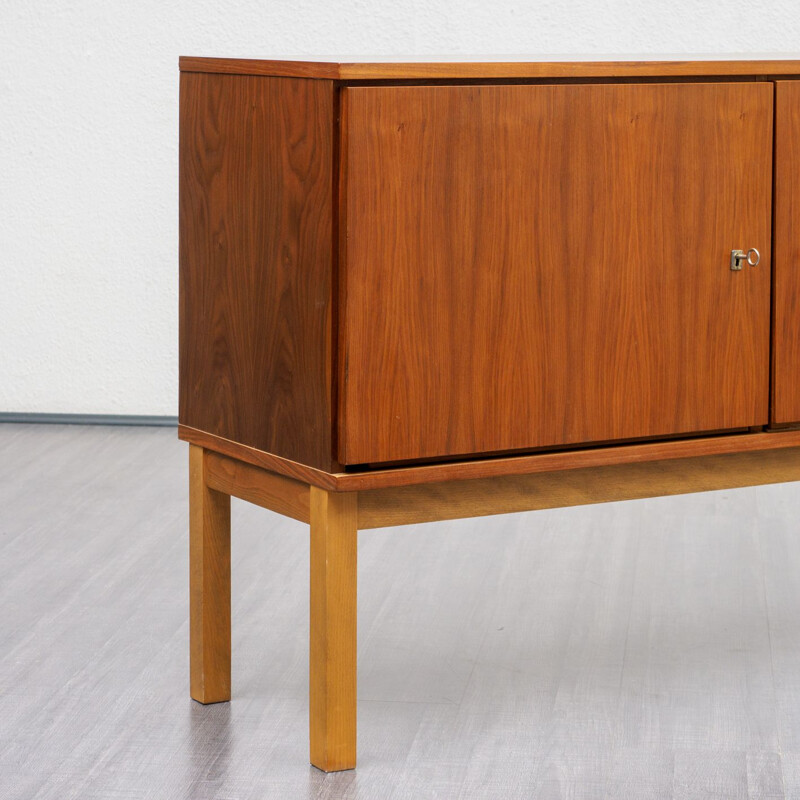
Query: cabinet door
[538,266]
[786,330]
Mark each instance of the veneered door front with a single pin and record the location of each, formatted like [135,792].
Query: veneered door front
[786,272]
[546,265]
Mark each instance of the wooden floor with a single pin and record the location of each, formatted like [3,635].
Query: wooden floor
[648,649]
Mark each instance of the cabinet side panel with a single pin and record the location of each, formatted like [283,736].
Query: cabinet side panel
[256,156]
[786,277]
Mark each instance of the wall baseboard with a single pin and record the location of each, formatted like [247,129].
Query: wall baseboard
[88,419]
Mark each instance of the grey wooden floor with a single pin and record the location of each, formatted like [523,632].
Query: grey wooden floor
[648,649]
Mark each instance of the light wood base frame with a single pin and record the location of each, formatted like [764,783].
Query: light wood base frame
[209,585]
[335,518]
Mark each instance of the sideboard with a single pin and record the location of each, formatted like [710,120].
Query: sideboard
[422,291]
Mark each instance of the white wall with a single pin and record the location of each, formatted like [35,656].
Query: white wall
[88,150]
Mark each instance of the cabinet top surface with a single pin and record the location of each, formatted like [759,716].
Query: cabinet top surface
[483,67]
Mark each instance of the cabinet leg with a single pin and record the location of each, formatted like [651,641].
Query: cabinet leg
[332,666]
[209,586]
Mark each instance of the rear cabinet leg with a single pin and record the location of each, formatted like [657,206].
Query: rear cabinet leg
[332,669]
[209,586]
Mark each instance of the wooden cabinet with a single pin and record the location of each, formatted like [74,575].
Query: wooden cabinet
[375,273]
[420,291]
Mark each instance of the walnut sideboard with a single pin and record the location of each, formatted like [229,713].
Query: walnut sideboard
[422,291]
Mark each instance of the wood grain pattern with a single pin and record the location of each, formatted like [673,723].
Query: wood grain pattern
[259,458]
[786,259]
[481,68]
[332,667]
[264,488]
[209,586]
[532,266]
[506,494]
[513,465]
[256,168]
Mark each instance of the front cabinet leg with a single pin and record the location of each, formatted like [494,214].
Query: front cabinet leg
[209,586]
[332,667]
